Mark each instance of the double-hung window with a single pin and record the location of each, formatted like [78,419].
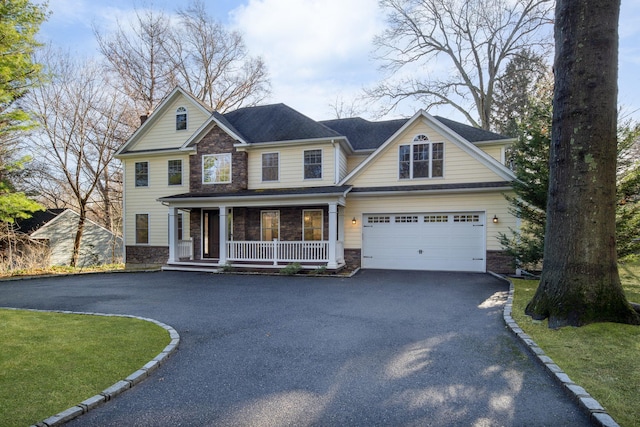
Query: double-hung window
[421,159]
[313,164]
[216,168]
[142,174]
[174,168]
[270,166]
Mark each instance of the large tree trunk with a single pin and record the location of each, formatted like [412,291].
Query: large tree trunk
[580,282]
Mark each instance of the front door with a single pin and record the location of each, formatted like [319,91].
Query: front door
[211,234]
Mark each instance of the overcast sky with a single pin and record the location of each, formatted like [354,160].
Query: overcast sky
[317,51]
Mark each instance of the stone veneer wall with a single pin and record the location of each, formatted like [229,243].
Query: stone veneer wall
[147,255]
[218,142]
[500,262]
[352,258]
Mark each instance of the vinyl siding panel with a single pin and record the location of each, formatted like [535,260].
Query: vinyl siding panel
[492,203]
[459,167]
[143,200]
[354,160]
[494,151]
[343,164]
[291,167]
[163,133]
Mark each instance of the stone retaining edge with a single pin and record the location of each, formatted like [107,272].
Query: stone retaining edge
[119,387]
[597,414]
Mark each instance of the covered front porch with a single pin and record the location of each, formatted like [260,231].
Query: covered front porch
[253,230]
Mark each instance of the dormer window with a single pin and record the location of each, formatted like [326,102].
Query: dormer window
[181,118]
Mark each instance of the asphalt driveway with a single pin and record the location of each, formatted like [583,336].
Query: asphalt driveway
[382,348]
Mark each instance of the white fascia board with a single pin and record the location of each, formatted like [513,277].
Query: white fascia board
[272,144]
[401,193]
[256,201]
[155,153]
[157,112]
[506,141]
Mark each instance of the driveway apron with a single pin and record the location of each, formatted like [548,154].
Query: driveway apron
[382,348]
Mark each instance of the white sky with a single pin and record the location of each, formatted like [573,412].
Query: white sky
[317,51]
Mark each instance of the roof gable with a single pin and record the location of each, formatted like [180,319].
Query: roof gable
[42,232]
[160,112]
[438,124]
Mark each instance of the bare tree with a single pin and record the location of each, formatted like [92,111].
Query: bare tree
[154,54]
[471,39]
[136,54]
[212,62]
[580,282]
[82,123]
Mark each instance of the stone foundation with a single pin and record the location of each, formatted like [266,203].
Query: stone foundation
[500,262]
[140,256]
[352,258]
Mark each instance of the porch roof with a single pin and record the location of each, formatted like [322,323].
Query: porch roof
[272,196]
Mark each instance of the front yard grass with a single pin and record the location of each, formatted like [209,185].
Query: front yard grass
[603,358]
[52,361]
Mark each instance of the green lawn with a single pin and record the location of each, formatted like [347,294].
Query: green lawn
[52,361]
[603,358]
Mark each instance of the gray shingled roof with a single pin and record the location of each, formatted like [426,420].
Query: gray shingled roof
[277,122]
[363,134]
[470,133]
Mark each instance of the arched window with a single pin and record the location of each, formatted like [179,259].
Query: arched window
[421,159]
[181,118]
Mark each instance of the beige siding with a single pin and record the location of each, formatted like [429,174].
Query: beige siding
[494,150]
[163,133]
[344,171]
[354,160]
[291,167]
[459,166]
[143,200]
[492,203]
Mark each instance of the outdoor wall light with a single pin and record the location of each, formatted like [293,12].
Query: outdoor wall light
[353,221]
[495,219]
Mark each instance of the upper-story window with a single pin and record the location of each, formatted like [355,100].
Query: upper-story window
[174,172]
[313,164]
[270,166]
[181,118]
[142,174]
[421,159]
[216,168]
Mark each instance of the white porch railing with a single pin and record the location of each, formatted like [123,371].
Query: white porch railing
[185,248]
[279,251]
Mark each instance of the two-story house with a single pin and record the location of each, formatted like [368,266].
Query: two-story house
[266,186]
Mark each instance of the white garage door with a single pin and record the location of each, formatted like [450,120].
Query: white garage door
[425,241]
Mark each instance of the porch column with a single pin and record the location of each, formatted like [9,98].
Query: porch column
[173,235]
[333,235]
[340,224]
[223,235]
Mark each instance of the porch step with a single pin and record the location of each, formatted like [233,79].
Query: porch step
[195,268]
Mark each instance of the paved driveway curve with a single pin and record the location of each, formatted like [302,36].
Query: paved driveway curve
[381,348]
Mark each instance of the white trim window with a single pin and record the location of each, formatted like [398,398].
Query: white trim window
[269,225]
[141,178]
[313,164]
[270,167]
[421,159]
[181,118]
[312,224]
[174,172]
[216,168]
[142,229]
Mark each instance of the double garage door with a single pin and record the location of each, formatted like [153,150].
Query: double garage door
[424,241]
